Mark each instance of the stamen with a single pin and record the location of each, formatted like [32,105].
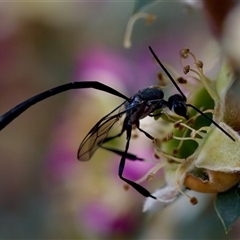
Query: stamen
[177,124]
[200,131]
[186,69]
[164,200]
[161,79]
[188,127]
[164,154]
[194,132]
[198,114]
[193,200]
[184,138]
[127,37]
[150,177]
[196,72]
[172,158]
[182,80]
[151,173]
[176,150]
[167,114]
[169,136]
[184,52]
[199,64]
[193,56]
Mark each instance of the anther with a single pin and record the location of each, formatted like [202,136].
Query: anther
[186,69]
[175,151]
[169,136]
[199,64]
[184,52]
[150,19]
[161,80]
[193,200]
[177,124]
[150,177]
[181,80]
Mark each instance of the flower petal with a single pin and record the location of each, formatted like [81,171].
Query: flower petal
[164,197]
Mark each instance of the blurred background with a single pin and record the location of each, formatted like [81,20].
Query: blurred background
[44,191]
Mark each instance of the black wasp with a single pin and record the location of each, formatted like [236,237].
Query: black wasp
[142,104]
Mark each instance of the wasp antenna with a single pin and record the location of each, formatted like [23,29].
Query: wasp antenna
[166,71]
[211,120]
[13,113]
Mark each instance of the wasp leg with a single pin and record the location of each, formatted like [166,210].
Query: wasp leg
[146,134]
[138,187]
[129,156]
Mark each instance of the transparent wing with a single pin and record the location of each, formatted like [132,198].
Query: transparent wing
[100,132]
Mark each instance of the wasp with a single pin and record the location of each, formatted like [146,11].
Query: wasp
[144,103]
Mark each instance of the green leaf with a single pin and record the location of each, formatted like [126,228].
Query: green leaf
[227,205]
[141,4]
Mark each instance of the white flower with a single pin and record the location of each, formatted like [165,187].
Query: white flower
[164,196]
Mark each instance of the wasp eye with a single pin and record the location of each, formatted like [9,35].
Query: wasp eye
[177,104]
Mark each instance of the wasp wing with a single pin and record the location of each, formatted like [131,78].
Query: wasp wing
[100,132]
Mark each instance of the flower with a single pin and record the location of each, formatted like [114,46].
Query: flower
[199,154]
[164,196]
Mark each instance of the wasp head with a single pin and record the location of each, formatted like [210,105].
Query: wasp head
[177,104]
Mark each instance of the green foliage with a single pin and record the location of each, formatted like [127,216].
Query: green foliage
[227,205]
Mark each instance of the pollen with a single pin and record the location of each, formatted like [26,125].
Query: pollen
[150,177]
[178,125]
[175,151]
[199,64]
[161,79]
[186,69]
[184,52]
[169,136]
[182,80]
[194,201]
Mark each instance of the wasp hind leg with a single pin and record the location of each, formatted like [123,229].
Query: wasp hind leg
[129,156]
[125,155]
[136,186]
